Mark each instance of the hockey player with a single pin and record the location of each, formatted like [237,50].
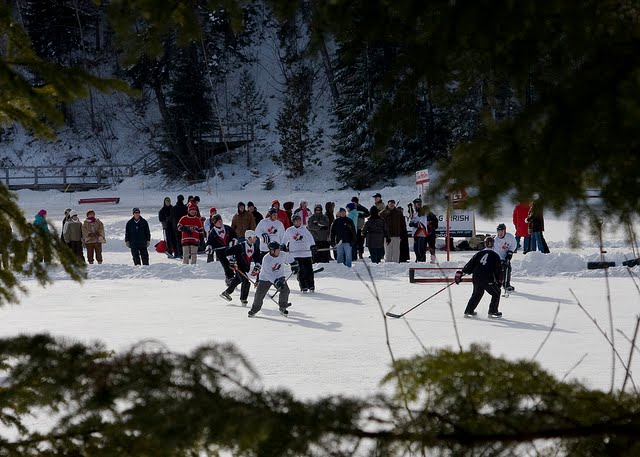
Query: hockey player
[269,229]
[219,238]
[486,268]
[272,272]
[240,256]
[505,245]
[299,242]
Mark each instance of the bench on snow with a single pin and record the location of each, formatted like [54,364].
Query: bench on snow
[99,200]
[413,279]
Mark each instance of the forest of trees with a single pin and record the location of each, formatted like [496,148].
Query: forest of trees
[191,89]
[518,97]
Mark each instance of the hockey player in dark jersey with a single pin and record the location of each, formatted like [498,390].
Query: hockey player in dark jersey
[486,268]
[240,256]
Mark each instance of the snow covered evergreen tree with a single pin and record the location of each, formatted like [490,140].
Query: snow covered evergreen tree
[299,140]
[250,108]
[359,163]
[191,119]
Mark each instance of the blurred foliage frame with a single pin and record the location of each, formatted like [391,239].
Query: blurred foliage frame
[583,63]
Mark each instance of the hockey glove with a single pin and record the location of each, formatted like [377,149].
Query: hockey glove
[412,224]
[458,277]
[284,248]
[233,242]
[280,283]
[209,249]
[232,263]
[275,231]
[314,250]
[266,239]
[256,270]
[295,268]
[509,255]
[186,229]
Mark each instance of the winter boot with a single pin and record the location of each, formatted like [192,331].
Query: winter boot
[433,258]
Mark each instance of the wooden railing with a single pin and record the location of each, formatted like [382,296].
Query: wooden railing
[72,177]
[84,177]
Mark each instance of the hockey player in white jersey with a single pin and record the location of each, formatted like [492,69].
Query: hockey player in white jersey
[505,244]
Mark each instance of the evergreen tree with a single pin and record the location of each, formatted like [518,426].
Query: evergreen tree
[191,119]
[359,163]
[57,29]
[299,141]
[250,108]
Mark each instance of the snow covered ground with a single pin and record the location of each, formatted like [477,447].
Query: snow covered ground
[333,341]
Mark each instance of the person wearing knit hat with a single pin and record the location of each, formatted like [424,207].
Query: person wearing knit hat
[282,214]
[168,229]
[40,223]
[191,228]
[72,235]
[257,216]
[342,236]
[352,213]
[304,212]
[363,213]
[242,221]
[220,237]
[269,229]
[93,236]
[137,237]
[318,225]
[212,211]
[64,221]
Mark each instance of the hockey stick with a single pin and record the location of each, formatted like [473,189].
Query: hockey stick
[318,270]
[397,316]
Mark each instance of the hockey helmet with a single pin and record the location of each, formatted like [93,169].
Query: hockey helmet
[296,217]
[273,245]
[249,234]
[501,227]
[272,210]
[417,201]
[489,242]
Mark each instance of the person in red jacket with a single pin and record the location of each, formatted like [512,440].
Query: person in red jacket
[191,228]
[282,214]
[520,213]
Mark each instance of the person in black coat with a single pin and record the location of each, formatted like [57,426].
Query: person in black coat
[178,210]
[220,236]
[137,237]
[375,232]
[343,233]
[486,267]
[242,254]
[164,216]
[256,214]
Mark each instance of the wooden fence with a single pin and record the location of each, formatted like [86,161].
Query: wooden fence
[72,177]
